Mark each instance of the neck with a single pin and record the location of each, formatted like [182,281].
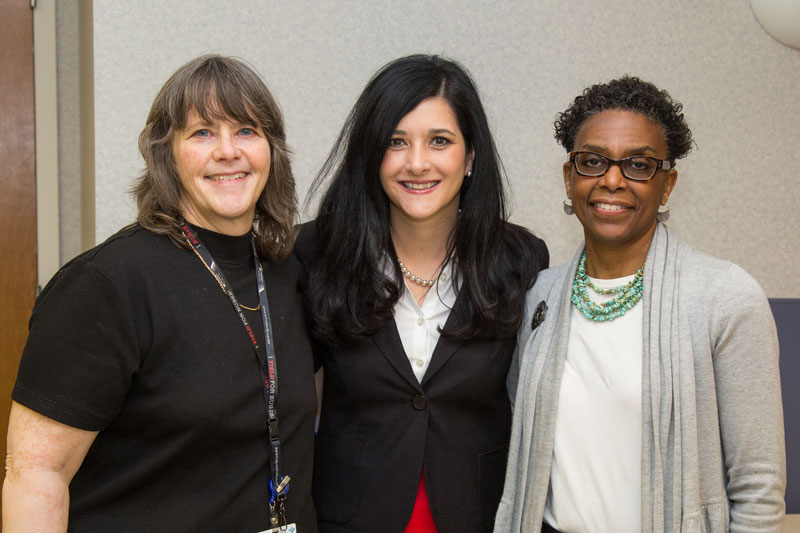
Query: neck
[234,228]
[421,244]
[611,261]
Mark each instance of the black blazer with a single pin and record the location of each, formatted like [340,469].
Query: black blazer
[380,428]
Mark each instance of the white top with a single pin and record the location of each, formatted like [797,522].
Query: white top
[418,325]
[595,478]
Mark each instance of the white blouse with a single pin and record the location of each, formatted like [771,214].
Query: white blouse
[418,326]
[595,478]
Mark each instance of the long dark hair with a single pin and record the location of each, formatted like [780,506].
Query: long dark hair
[224,88]
[348,293]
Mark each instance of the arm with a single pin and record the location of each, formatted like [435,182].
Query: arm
[513,372]
[319,380]
[541,294]
[523,335]
[526,330]
[749,401]
[43,456]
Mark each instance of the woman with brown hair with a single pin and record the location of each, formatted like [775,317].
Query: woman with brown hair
[147,396]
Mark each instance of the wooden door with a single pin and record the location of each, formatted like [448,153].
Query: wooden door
[17,196]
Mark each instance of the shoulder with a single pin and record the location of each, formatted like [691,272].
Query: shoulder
[286,271]
[549,279]
[114,258]
[547,288]
[520,238]
[551,274]
[705,272]
[305,244]
[522,252]
[131,245]
[721,291]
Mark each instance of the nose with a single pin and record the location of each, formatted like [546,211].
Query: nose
[226,146]
[417,160]
[613,178]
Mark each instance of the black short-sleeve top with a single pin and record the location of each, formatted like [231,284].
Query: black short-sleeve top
[136,339]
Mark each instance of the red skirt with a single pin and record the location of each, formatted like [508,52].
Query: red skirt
[421,519]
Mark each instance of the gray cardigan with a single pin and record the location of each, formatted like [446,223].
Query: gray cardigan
[713,454]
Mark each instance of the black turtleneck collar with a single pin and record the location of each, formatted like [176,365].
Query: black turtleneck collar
[225,248]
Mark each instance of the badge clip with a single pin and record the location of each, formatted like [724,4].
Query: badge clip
[281,491]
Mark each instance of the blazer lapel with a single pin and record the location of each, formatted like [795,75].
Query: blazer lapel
[446,347]
[388,342]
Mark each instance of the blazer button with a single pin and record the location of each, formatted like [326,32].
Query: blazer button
[419,402]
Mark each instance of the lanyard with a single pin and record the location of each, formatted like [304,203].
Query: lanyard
[278,485]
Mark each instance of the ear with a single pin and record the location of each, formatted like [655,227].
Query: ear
[470,159]
[669,184]
[567,169]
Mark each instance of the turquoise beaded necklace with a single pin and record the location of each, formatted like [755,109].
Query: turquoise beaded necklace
[628,295]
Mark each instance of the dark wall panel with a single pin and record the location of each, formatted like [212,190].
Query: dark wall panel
[787,318]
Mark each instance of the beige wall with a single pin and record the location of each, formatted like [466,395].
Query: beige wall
[69,127]
[737,192]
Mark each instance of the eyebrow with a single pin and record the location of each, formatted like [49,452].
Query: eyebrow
[631,151]
[201,123]
[436,131]
[198,122]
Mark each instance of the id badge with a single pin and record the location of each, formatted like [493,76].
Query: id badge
[288,528]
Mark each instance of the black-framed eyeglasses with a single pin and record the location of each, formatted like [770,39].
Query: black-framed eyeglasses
[635,167]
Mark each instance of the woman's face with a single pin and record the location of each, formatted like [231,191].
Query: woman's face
[424,166]
[614,210]
[223,167]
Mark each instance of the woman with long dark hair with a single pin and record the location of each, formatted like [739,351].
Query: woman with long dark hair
[416,284]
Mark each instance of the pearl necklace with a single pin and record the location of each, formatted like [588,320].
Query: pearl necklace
[412,277]
[628,295]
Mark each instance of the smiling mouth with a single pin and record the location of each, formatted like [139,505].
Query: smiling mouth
[609,207]
[227,177]
[410,185]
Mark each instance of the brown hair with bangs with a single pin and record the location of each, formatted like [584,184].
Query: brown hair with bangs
[217,88]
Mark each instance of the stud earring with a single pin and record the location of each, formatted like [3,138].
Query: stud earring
[568,207]
[468,174]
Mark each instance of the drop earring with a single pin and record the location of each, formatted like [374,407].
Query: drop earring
[568,207]
[663,216]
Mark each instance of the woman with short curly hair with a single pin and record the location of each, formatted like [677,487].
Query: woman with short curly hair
[646,386]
